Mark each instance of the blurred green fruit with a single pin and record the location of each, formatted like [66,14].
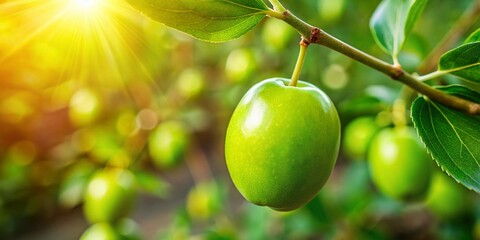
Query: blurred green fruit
[110,195]
[399,164]
[125,229]
[84,107]
[240,64]
[357,137]
[446,198]
[331,11]
[128,229]
[100,231]
[204,200]
[190,83]
[277,34]
[168,144]
[282,143]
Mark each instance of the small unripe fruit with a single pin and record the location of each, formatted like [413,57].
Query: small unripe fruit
[357,137]
[168,144]
[282,143]
[110,195]
[399,164]
[103,231]
[446,198]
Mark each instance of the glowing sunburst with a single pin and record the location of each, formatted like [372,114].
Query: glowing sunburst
[86,5]
[97,40]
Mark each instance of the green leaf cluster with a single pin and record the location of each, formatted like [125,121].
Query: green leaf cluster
[452,137]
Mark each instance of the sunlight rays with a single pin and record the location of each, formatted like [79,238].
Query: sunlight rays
[98,40]
[86,5]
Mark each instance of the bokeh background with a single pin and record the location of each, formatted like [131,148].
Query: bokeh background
[86,85]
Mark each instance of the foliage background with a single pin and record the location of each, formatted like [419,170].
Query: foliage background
[51,51]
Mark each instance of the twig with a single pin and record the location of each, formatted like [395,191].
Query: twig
[463,24]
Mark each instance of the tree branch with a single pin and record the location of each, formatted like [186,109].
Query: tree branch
[315,35]
[463,24]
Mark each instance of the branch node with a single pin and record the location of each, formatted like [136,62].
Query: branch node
[314,34]
[397,72]
[474,109]
[304,42]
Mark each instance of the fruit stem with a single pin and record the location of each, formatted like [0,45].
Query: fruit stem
[299,64]
[312,34]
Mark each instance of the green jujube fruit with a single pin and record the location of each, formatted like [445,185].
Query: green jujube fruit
[168,144]
[357,137]
[124,229]
[399,164]
[100,231]
[282,143]
[110,195]
[446,198]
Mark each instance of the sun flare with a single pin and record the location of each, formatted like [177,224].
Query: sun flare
[91,42]
[86,5]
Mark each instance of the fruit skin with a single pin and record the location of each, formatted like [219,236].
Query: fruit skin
[124,229]
[282,143]
[446,198]
[100,231]
[357,137]
[128,229]
[399,164]
[110,195]
[168,143]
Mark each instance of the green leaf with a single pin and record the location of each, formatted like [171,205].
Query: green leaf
[392,21]
[452,137]
[474,37]
[207,20]
[463,61]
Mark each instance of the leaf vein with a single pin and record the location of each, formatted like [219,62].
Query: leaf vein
[452,126]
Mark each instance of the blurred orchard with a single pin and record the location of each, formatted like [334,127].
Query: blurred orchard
[94,94]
